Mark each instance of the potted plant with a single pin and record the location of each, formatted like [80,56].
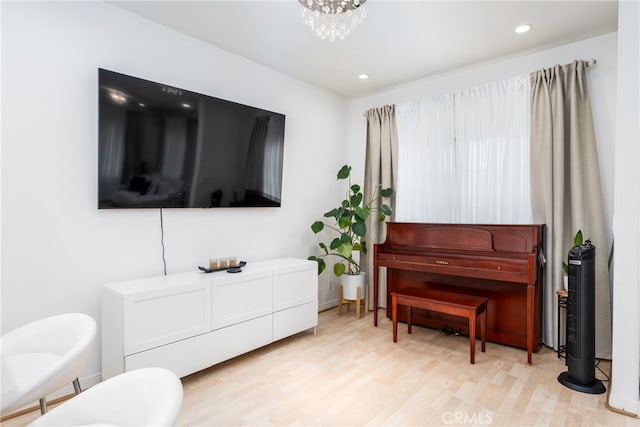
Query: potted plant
[348,223]
[577,241]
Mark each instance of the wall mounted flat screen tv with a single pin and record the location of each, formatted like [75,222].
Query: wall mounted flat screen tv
[160,146]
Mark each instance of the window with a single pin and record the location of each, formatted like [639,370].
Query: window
[464,157]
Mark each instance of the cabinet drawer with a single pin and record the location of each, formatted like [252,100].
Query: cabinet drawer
[294,320]
[294,286]
[240,297]
[161,317]
[238,339]
[183,357]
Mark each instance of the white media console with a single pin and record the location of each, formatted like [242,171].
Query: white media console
[187,322]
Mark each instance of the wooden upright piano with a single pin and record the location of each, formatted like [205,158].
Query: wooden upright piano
[503,263]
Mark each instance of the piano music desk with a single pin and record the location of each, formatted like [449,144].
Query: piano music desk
[468,306]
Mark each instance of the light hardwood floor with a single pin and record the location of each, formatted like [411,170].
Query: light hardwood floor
[352,374]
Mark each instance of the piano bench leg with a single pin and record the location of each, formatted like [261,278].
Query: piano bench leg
[472,336]
[473,316]
[394,317]
[483,329]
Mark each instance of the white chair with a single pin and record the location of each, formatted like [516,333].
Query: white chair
[143,397]
[42,357]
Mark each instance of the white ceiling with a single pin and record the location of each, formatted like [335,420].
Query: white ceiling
[399,41]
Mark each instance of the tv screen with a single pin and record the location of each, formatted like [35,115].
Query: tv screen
[162,146]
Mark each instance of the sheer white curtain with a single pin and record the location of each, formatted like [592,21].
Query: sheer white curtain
[493,125]
[464,157]
[426,161]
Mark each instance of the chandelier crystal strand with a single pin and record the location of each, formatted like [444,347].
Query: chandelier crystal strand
[333,18]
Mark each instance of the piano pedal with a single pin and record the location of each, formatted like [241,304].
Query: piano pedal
[446,330]
[457,332]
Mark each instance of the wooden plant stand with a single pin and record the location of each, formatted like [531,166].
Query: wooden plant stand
[358,301]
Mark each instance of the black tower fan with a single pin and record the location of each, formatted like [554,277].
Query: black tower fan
[581,322]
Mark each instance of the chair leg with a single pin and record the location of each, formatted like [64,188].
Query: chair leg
[43,406]
[76,386]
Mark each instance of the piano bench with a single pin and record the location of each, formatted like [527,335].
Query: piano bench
[468,306]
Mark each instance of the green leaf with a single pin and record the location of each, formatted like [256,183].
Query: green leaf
[362,213]
[578,239]
[333,213]
[345,238]
[355,188]
[565,268]
[387,192]
[338,269]
[360,229]
[324,248]
[344,172]
[335,243]
[344,222]
[345,249]
[320,261]
[385,209]
[381,217]
[363,249]
[317,226]
[357,246]
[321,266]
[356,199]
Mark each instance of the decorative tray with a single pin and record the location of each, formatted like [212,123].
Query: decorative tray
[212,270]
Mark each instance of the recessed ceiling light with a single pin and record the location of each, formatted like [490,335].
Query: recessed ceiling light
[522,28]
[363,76]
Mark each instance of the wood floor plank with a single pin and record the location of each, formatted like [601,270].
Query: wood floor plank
[352,374]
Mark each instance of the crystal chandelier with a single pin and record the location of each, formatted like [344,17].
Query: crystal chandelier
[333,18]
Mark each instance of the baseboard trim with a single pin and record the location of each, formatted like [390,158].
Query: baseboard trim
[327,305]
[623,406]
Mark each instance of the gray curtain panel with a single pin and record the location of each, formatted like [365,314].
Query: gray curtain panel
[566,191]
[381,167]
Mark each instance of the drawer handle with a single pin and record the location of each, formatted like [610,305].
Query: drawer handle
[499,267]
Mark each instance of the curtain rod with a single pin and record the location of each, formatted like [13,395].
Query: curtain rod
[587,62]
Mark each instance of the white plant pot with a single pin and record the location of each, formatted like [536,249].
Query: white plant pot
[350,284]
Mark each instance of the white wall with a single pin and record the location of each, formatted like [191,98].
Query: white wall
[625,369]
[58,248]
